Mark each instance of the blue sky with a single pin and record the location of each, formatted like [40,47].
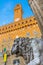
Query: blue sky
[7,10]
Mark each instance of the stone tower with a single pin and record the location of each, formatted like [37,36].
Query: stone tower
[18,13]
[37,7]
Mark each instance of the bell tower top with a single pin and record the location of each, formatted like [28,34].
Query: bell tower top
[17,13]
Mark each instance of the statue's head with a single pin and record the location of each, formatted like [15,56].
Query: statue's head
[18,45]
[15,47]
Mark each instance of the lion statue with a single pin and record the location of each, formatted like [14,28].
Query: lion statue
[29,49]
